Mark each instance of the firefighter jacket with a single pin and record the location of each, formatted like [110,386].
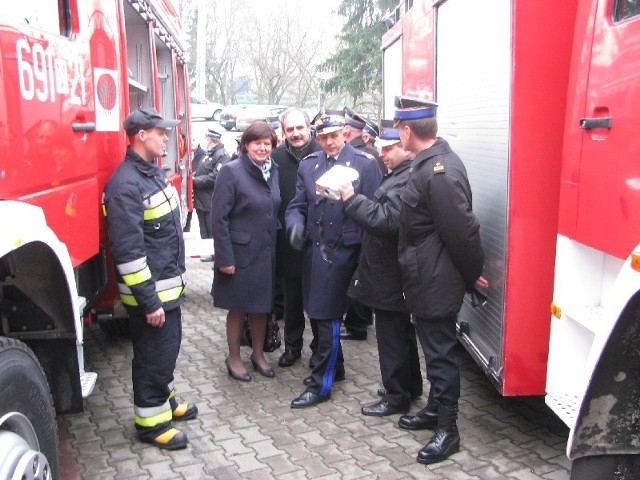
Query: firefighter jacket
[143,220]
[439,246]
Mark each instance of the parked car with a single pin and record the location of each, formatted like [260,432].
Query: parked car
[258,113]
[229,114]
[203,108]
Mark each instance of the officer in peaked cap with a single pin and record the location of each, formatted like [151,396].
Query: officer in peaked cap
[439,230]
[358,317]
[330,244]
[204,179]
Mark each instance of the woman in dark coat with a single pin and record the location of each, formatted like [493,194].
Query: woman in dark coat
[244,223]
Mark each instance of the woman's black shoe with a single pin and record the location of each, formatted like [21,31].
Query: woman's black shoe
[242,377]
[265,372]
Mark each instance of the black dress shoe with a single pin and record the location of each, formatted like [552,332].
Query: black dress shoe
[349,335]
[242,377]
[340,376]
[382,392]
[265,372]
[423,420]
[382,409]
[288,358]
[308,399]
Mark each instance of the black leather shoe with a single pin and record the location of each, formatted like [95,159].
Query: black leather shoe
[445,442]
[288,358]
[308,399]
[349,335]
[265,372]
[423,420]
[241,377]
[382,392]
[340,376]
[184,411]
[382,409]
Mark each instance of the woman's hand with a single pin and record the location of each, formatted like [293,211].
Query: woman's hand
[230,270]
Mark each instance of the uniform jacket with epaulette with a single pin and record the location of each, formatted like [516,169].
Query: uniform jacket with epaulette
[439,247]
[204,177]
[143,219]
[331,251]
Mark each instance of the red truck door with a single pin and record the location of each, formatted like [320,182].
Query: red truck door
[609,172]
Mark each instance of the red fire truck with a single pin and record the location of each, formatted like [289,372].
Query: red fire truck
[70,72]
[541,103]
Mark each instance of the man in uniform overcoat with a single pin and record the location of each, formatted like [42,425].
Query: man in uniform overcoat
[330,244]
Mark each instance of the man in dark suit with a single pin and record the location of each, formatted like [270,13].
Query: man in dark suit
[297,145]
[330,244]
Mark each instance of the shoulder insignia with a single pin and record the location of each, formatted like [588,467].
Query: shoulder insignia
[438,168]
[311,155]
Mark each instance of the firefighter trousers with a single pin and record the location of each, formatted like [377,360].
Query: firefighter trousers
[155,351]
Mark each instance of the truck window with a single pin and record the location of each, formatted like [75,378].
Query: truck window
[626,9]
[41,14]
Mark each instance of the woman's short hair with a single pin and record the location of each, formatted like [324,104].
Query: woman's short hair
[258,131]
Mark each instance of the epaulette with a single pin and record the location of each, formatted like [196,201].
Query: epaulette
[312,155]
[438,168]
[365,154]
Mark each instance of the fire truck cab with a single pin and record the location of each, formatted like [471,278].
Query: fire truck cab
[72,70]
[540,102]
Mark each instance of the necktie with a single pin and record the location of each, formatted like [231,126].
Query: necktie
[331,161]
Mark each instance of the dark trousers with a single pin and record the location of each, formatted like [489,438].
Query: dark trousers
[155,351]
[398,354]
[328,357]
[204,221]
[294,321]
[358,317]
[438,339]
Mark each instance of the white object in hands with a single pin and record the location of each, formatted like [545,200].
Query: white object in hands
[328,185]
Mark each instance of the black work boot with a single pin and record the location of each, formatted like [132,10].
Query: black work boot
[445,440]
[425,419]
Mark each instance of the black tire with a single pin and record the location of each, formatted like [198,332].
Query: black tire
[115,327]
[24,390]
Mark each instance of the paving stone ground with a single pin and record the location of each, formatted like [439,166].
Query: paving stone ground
[249,431]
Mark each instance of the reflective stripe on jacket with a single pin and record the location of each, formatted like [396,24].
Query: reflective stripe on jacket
[143,220]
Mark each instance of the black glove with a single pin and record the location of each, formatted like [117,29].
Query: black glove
[297,236]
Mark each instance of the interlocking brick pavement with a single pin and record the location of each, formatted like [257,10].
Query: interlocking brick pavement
[249,431]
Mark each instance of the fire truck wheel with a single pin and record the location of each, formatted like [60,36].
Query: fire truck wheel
[115,327]
[216,115]
[599,467]
[28,429]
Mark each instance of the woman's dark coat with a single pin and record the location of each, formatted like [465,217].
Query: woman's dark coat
[244,223]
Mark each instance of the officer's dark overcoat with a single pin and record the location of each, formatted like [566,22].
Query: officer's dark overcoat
[331,252]
[376,282]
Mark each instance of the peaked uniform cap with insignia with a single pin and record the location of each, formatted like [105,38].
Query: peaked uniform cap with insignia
[389,135]
[407,108]
[371,128]
[327,121]
[211,133]
[353,119]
